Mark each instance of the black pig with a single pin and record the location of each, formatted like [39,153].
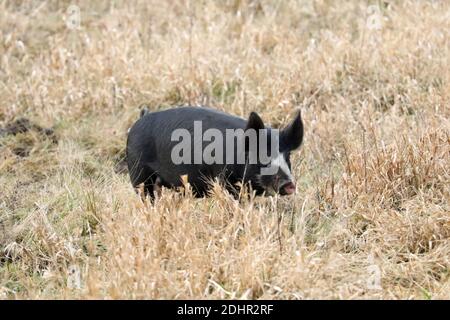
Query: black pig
[157,159]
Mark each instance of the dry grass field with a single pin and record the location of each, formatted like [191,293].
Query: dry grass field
[371,215]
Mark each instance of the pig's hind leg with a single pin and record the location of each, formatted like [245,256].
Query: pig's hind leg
[147,183]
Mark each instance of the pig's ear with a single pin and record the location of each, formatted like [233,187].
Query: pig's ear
[291,136]
[254,122]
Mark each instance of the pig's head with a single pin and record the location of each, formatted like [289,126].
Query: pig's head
[273,174]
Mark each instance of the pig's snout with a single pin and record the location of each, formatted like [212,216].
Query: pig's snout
[287,189]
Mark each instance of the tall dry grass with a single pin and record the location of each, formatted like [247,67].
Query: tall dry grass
[370,218]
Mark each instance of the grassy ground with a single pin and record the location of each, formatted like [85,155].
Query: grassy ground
[370,218]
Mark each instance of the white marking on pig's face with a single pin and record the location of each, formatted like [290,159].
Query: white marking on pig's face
[274,182]
[280,162]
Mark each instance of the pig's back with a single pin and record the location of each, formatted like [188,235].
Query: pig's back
[149,140]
